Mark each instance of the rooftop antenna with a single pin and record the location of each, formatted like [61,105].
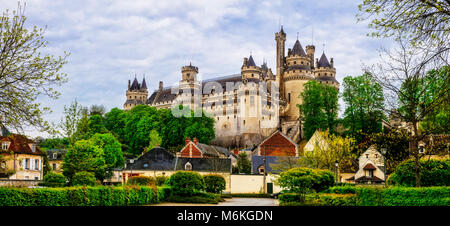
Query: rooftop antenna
[323,47]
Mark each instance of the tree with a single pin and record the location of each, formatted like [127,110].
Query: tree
[155,140]
[84,155]
[438,120]
[364,102]
[70,121]
[243,163]
[97,110]
[200,127]
[420,22]
[115,122]
[403,75]
[26,73]
[319,107]
[112,152]
[338,149]
[96,125]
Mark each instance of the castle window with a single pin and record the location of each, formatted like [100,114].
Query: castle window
[244,122]
[188,166]
[253,76]
[5,146]
[301,62]
[289,97]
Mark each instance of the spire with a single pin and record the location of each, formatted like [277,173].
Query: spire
[251,62]
[135,85]
[143,85]
[298,49]
[323,62]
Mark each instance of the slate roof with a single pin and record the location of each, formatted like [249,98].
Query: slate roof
[135,85]
[364,179]
[20,144]
[144,85]
[298,49]
[3,130]
[59,154]
[161,159]
[258,160]
[298,67]
[323,62]
[326,78]
[251,62]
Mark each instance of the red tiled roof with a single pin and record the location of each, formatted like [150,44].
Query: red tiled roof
[20,144]
[369,166]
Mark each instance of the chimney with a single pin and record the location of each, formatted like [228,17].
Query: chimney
[332,62]
[160,85]
[187,140]
[129,83]
[195,140]
[317,62]
[245,61]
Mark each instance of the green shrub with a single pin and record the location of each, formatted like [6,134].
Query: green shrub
[142,180]
[78,196]
[341,190]
[192,199]
[160,180]
[432,173]
[291,197]
[186,183]
[214,183]
[336,199]
[226,196]
[302,180]
[52,179]
[164,193]
[84,178]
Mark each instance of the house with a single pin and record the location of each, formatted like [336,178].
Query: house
[55,158]
[159,162]
[195,149]
[20,159]
[319,139]
[277,144]
[371,167]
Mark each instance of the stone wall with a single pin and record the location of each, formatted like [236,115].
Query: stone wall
[19,183]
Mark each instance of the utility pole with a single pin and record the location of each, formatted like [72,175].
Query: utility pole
[265,170]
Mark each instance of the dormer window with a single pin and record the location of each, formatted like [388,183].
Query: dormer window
[367,156]
[5,146]
[55,155]
[188,166]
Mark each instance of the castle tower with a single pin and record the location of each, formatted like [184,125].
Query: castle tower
[249,70]
[280,38]
[298,72]
[190,87]
[136,94]
[310,50]
[324,72]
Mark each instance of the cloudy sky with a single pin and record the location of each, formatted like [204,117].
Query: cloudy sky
[111,41]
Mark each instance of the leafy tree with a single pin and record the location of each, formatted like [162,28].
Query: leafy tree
[84,178]
[115,122]
[437,121]
[403,75]
[52,179]
[112,152]
[418,21]
[243,164]
[364,101]
[155,140]
[71,119]
[319,107]
[96,125]
[54,143]
[200,127]
[83,126]
[25,73]
[84,155]
[338,149]
[434,173]
[97,110]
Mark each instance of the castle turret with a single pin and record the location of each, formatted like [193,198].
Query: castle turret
[249,70]
[280,38]
[310,50]
[136,94]
[189,73]
[325,73]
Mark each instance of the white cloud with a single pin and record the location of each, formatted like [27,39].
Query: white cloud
[110,41]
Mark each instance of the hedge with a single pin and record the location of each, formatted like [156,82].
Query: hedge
[432,173]
[341,190]
[373,196]
[82,196]
[251,195]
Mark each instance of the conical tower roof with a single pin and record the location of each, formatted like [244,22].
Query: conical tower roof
[323,62]
[251,62]
[135,85]
[298,49]
[144,85]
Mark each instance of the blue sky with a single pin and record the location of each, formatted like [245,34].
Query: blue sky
[111,41]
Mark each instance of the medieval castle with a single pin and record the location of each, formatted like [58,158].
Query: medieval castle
[243,112]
